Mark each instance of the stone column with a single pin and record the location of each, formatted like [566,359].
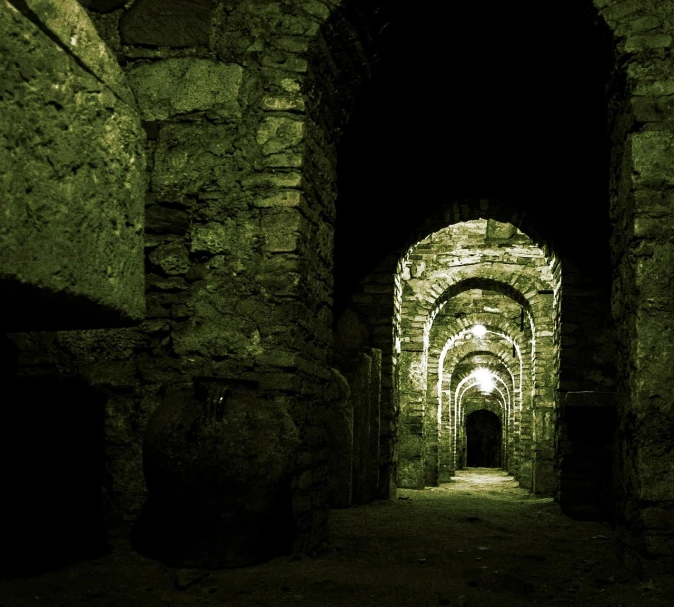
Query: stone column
[360,396]
[431,437]
[374,426]
[412,396]
[644,306]
[366,397]
[340,425]
[545,383]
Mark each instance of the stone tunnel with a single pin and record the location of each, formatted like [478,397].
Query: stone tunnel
[267,262]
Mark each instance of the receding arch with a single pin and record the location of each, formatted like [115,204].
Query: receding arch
[427,285]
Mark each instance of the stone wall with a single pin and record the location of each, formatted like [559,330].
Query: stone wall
[640,115]
[243,104]
[73,167]
[239,107]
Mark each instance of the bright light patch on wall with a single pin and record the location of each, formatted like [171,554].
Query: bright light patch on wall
[485,380]
[488,309]
[479,331]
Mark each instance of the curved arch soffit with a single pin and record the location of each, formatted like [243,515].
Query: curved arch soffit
[469,382]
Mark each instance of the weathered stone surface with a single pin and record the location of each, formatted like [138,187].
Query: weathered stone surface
[340,424]
[173,23]
[288,198]
[281,230]
[73,209]
[172,87]
[215,331]
[229,237]
[172,258]
[191,158]
[278,133]
[374,423]
[361,393]
[365,381]
[67,21]
[526,474]
[352,332]
[650,154]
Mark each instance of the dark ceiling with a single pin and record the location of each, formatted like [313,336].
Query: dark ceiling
[480,99]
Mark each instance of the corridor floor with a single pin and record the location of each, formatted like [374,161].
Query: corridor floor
[478,541]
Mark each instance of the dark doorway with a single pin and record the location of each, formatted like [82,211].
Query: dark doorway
[484,439]
[51,465]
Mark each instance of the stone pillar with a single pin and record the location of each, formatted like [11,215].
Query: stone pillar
[543,457]
[445,467]
[525,471]
[374,426]
[388,430]
[431,437]
[366,397]
[643,271]
[545,383]
[411,446]
[340,426]
[461,446]
[645,451]
[360,396]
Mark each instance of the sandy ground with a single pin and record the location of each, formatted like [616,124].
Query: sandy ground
[478,541]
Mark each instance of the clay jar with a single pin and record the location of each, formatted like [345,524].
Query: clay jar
[218,467]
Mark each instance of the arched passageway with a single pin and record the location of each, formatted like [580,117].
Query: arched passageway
[474,289]
[243,105]
[484,438]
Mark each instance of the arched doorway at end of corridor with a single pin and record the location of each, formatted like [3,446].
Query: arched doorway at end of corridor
[484,440]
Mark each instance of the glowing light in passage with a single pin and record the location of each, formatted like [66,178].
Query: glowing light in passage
[479,331]
[485,380]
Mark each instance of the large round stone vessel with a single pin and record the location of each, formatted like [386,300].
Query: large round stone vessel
[218,471]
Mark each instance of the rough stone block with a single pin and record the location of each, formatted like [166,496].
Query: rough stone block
[658,518]
[291,198]
[284,103]
[70,24]
[651,153]
[172,258]
[278,133]
[71,249]
[191,157]
[273,180]
[164,220]
[227,237]
[182,85]
[652,41]
[281,230]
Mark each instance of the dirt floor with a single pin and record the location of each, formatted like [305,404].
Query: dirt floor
[478,541]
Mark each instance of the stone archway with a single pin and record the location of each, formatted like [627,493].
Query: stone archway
[432,276]
[247,251]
